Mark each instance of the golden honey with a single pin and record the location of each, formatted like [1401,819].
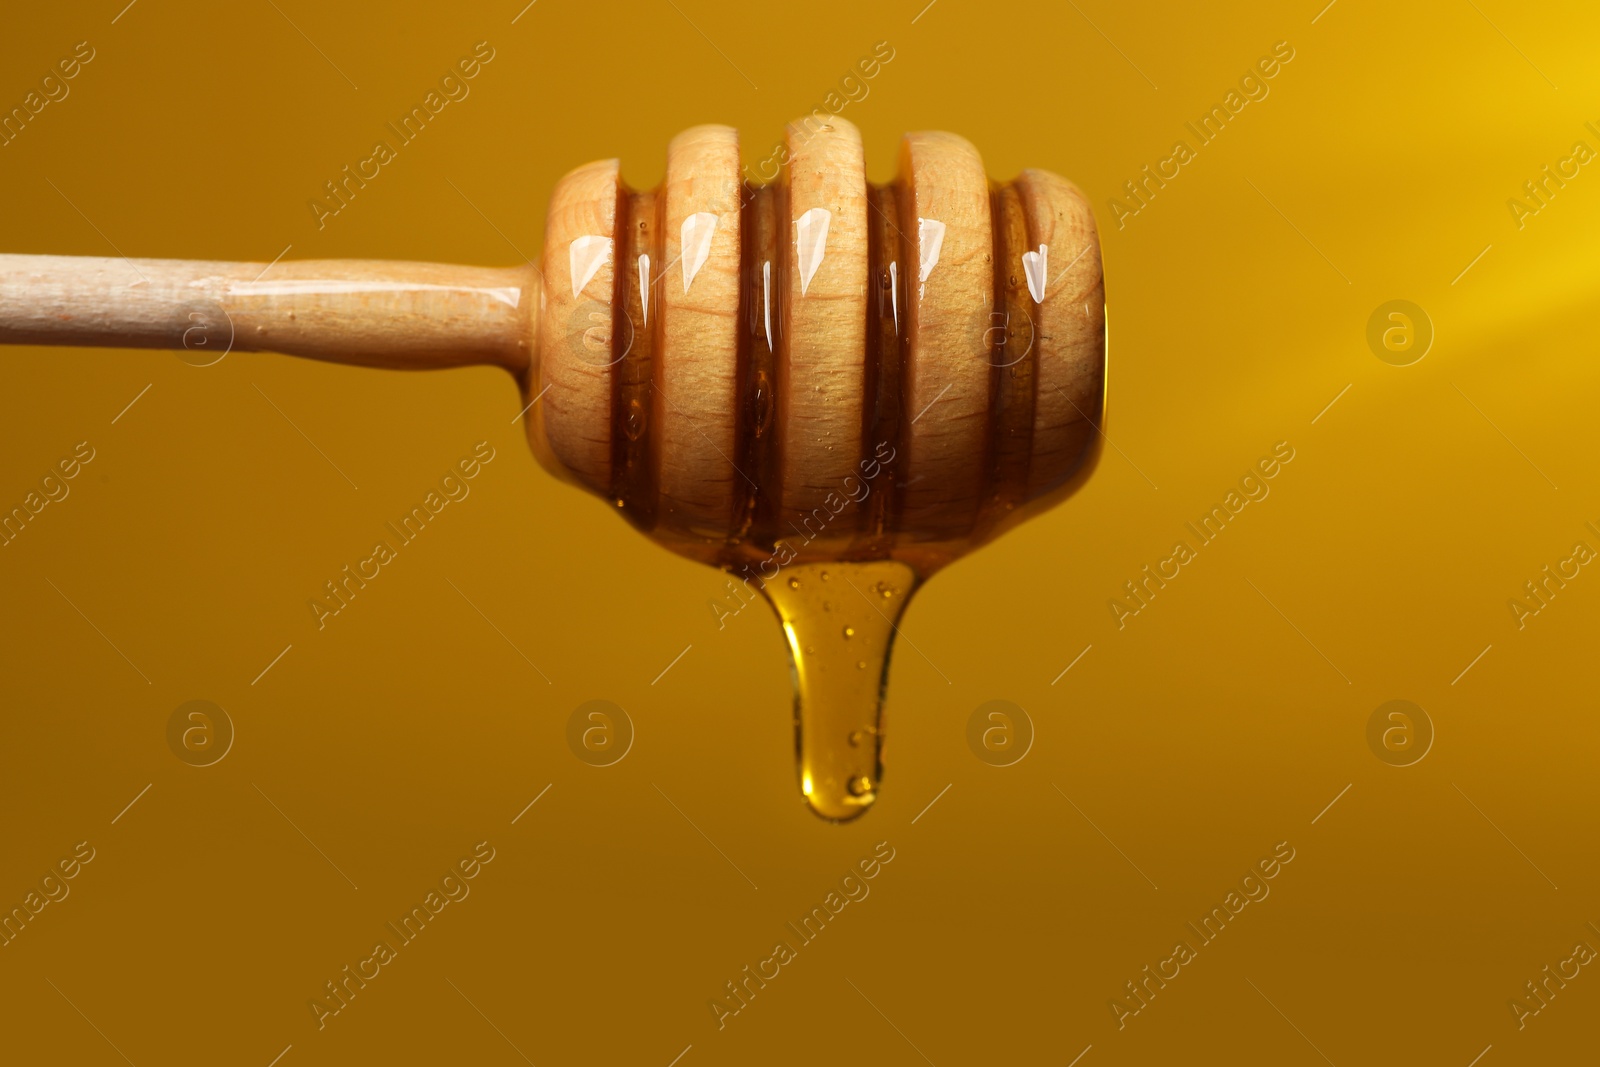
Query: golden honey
[840,621]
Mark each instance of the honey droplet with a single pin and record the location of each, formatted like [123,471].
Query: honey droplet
[839,645]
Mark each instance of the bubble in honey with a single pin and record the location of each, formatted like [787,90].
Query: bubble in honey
[849,632]
[794,583]
[860,786]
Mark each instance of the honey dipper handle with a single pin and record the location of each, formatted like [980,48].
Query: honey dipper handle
[372,312]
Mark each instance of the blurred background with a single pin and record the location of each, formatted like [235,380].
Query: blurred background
[1441,860]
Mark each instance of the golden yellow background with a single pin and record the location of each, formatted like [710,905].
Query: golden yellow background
[1174,755]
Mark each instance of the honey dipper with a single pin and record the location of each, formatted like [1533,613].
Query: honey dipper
[829,389]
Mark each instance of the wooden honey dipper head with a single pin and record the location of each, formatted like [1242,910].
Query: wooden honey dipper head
[820,369]
[828,388]
[821,384]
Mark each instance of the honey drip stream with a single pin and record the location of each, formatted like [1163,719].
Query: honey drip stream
[839,620]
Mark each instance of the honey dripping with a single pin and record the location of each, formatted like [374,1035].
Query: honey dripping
[821,377]
[839,621]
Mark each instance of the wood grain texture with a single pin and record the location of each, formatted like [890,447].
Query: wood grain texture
[823,354]
[694,414]
[1069,328]
[576,358]
[947,379]
[376,313]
